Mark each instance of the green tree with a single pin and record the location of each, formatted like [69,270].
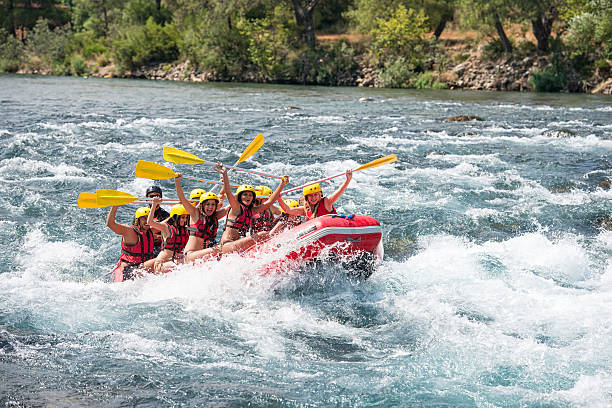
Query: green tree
[590,28]
[402,34]
[16,15]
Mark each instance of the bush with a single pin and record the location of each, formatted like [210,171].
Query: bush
[427,80]
[11,52]
[138,45]
[78,66]
[554,78]
[337,65]
[397,73]
[48,46]
[494,49]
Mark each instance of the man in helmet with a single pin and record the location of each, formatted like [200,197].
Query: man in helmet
[315,204]
[159,215]
[136,244]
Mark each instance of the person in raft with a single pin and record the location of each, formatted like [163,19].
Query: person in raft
[136,242]
[286,221]
[174,233]
[264,221]
[194,196]
[159,215]
[315,204]
[242,209]
[203,224]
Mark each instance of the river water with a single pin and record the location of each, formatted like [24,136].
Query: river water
[495,291]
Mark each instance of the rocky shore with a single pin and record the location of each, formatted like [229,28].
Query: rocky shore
[505,74]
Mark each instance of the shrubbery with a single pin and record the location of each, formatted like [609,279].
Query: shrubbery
[138,45]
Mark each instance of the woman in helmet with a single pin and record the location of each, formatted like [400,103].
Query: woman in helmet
[204,222]
[194,196]
[242,209]
[264,221]
[136,244]
[174,233]
[315,204]
[286,221]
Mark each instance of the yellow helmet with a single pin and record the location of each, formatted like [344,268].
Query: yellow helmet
[196,193]
[290,203]
[263,191]
[209,196]
[178,209]
[313,188]
[245,187]
[141,212]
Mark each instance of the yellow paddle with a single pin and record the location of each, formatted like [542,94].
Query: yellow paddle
[251,148]
[104,198]
[374,163]
[155,171]
[88,200]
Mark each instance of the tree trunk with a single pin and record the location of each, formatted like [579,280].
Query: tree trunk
[439,28]
[13,29]
[158,3]
[502,35]
[541,30]
[303,17]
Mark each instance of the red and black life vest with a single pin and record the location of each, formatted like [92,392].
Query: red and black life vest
[262,221]
[205,230]
[177,239]
[319,210]
[141,251]
[242,223]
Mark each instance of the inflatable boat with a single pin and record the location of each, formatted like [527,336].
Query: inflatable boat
[354,240]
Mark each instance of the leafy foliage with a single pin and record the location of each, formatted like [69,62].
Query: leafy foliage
[401,35]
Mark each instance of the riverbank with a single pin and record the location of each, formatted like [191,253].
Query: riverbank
[461,66]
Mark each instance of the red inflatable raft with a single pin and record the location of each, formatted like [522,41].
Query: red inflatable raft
[355,240]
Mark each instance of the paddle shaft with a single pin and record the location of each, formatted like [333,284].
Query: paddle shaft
[244,170]
[311,183]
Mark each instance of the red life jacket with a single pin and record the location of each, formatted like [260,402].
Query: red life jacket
[177,239]
[205,230]
[319,210]
[262,221]
[242,223]
[139,252]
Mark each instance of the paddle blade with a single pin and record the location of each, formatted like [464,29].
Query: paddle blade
[174,155]
[378,162]
[88,200]
[251,148]
[113,197]
[153,171]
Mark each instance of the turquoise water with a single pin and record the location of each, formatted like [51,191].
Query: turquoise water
[496,289]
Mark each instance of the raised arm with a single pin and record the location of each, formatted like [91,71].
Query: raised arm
[297,211]
[161,226]
[119,229]
[194,213]
[273,197]
[331,199]
[231,198]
